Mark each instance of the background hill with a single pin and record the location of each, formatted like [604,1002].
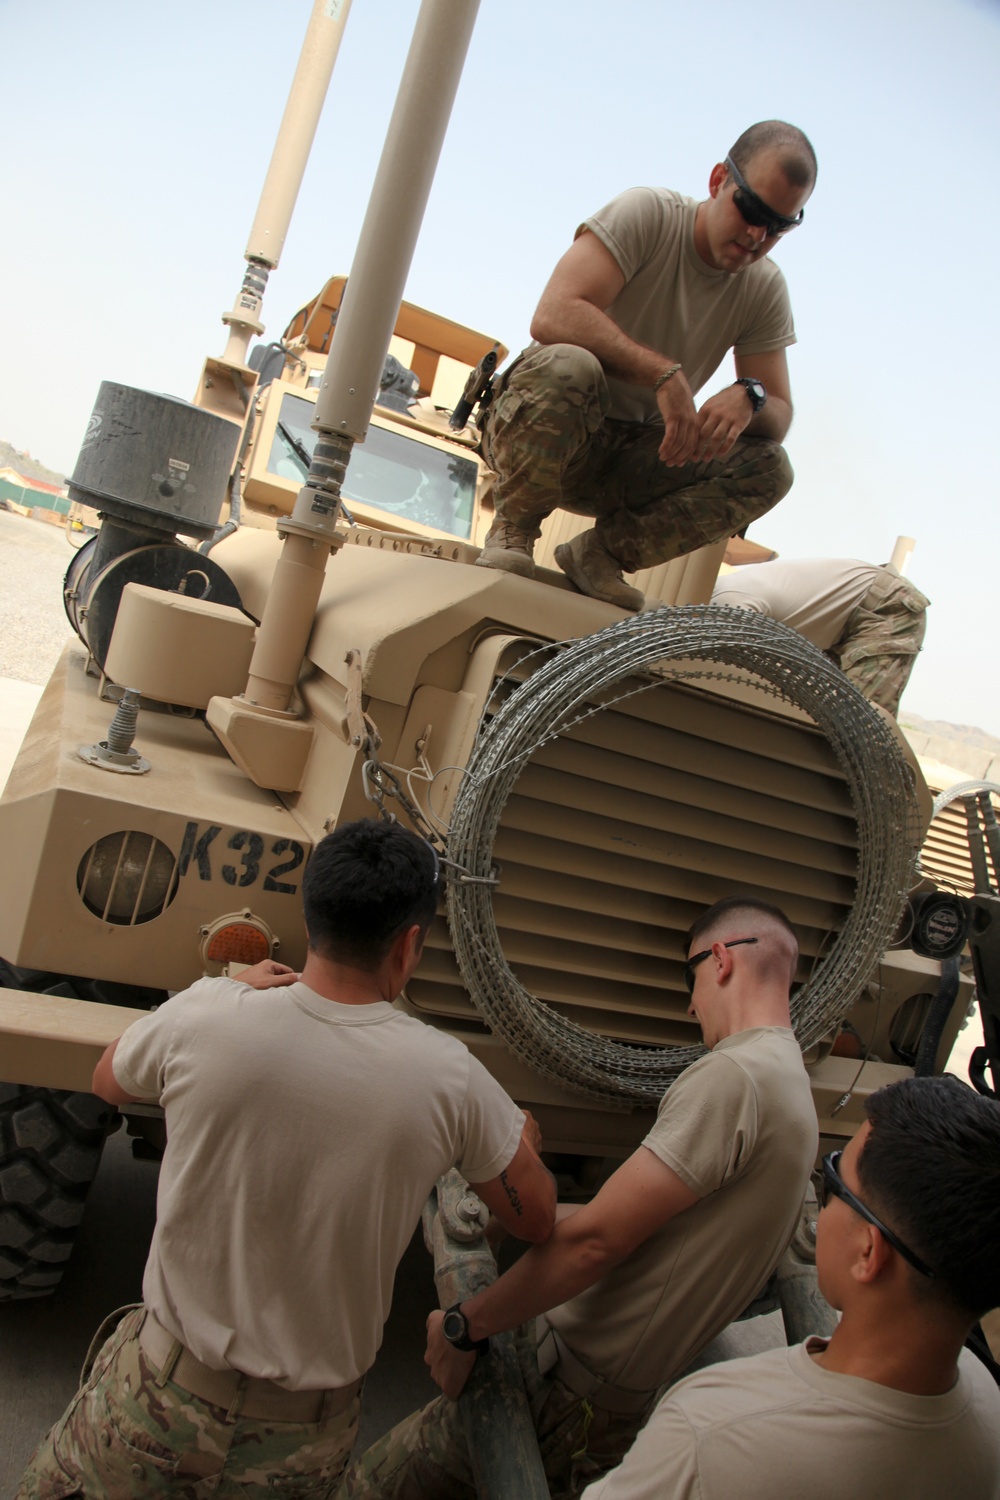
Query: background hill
[25,465]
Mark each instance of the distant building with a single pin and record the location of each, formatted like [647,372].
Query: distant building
[32,492]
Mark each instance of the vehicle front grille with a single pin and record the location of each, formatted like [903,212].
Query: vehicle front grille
[620,832]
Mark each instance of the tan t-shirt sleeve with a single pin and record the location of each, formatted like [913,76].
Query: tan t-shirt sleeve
[706,1131]
[630,227]
[143,1051]
[491,1127]
[768,321]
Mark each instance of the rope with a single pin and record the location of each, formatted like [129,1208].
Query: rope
[568,688]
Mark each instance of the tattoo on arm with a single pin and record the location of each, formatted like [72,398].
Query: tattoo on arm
[512,1194]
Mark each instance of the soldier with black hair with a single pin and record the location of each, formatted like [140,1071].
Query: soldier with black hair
[597,416]
[891,1403]
[305,1128]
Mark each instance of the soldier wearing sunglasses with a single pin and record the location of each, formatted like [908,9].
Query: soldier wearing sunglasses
[598,416]
[892,1404]
[672,1248]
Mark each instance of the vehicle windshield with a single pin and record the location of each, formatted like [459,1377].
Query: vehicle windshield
[389,471]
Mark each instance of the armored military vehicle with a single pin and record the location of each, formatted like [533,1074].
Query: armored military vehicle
[591,780]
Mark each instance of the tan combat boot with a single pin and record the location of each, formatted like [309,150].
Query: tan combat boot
[509,548]
[590,566]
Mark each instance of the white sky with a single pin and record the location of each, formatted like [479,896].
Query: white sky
[136,137]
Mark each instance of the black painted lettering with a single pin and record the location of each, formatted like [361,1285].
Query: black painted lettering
[297,855]
[196,848]
[252,846]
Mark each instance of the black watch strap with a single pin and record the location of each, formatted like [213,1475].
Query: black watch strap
[456,1330]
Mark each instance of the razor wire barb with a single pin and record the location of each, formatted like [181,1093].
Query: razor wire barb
[735,646]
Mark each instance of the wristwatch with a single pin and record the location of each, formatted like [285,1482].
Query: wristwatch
[755,389]
[456,1330]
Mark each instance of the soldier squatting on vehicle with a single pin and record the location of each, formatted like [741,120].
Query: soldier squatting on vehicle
[598,415]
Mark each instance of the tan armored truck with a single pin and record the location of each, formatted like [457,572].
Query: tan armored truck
[591,780]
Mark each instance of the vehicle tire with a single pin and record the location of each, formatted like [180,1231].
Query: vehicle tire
[50,1145]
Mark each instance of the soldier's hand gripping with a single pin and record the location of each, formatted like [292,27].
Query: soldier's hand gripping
[449,1367]
[720,421]
[267,975]
[680,421]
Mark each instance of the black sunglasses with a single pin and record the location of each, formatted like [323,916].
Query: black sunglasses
[755,211]
[834,1185]
[689,966]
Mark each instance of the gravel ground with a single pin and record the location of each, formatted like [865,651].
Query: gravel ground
[34,555]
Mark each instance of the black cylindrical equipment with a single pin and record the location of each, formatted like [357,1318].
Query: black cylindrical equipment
[154,460]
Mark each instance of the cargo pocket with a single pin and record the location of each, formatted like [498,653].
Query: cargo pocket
[137,1461]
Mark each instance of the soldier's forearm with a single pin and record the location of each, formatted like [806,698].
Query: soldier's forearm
[576,321]
[773,422]
[546,1276]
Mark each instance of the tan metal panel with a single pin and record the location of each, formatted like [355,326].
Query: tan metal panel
[54,1042]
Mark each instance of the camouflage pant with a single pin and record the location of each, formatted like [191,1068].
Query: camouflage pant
[425,1457]
[129,1434]
[548,437]
[880,641]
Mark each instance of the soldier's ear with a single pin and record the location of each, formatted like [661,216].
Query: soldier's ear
[717,178]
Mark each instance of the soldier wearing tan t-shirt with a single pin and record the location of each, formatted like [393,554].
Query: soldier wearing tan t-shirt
[306,1126]
[891,1404]
[598,415]
[868,619]
[675,1245]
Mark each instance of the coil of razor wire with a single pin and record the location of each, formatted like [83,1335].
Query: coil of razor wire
[707,643]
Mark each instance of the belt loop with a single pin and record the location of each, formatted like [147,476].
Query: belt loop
[236,1406]
[327,1411]
[167,1368]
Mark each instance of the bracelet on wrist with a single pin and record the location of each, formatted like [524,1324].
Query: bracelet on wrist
[662,379]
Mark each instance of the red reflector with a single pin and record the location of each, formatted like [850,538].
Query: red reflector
[239,943]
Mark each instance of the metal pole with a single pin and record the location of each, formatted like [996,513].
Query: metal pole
[901,554]
[284,175]
[499,1430]
[361,338]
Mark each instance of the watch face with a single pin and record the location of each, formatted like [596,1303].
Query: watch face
[454,1326]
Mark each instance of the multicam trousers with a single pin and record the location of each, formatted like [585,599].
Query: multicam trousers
[425,1457]
[548,437]
[128,1434]
[881,638]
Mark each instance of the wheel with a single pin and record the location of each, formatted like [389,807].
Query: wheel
[50,1146]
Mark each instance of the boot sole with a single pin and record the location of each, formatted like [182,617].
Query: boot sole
[504,561]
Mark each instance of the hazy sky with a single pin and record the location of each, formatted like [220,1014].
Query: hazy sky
[137,136]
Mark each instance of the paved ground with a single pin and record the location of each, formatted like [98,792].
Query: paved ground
[34,555]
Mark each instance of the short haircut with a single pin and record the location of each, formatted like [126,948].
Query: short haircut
[733,906]
[930,1168]
[365,884]
[797,158]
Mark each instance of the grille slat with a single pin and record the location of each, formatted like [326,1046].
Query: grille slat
[591,761]
[553,787]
